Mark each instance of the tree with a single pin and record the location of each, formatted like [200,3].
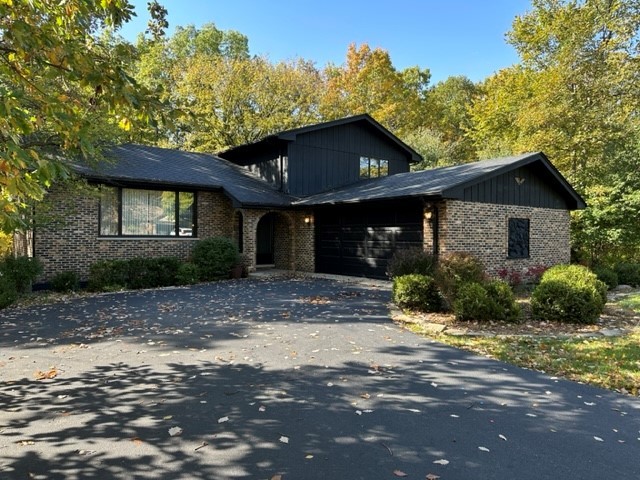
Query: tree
[447,112]
[235,101]
[575,94]
[56,75]
[369,83]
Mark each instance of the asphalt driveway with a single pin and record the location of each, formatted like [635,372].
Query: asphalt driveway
[283,379]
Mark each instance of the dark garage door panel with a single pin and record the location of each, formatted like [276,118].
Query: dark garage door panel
[359,240]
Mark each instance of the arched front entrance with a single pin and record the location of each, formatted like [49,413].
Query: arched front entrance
[265,240]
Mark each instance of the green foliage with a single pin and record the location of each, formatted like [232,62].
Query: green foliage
[215,257]
[108,275]
[491,301]
[569,293]
[411,260]
[136,273]
[607,275]
[61,85]
[187,274]
[8,293]
[455,269]
[416,292]
[22,271]
[628,273]
[65,282]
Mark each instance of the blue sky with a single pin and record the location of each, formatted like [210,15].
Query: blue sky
[450,37]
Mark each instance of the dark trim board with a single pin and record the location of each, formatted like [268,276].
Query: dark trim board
[359,240]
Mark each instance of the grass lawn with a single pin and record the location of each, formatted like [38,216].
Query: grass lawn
[608,362]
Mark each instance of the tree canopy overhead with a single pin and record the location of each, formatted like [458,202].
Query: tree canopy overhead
[58,75]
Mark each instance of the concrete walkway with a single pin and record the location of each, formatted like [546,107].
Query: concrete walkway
[283,379]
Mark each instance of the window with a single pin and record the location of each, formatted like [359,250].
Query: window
[518,238]
[155,213]
[373,167]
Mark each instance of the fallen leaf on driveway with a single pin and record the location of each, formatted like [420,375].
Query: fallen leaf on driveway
[137,440]
[276,477]
[484,449]
[399,473]
[432,476]
[223,419]
[175,431]
[24,443]
[284,439]
[442,461]
[49,374]
[598,439]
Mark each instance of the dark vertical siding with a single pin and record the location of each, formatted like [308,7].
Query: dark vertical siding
[328,158]
[534,189]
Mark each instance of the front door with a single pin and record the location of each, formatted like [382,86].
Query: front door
[264,247]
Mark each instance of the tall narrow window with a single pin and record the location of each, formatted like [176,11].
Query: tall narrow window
[364,167]
[186,215]
[109,210]
[518,238]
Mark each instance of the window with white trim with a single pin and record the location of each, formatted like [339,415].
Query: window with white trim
[133,212]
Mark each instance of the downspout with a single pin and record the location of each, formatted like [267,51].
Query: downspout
[435,227]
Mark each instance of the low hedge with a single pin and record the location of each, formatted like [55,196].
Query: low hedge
[569,293]
[455,269]
[65,282]
[628,273]
[417,292]
[137,273]
[608,276]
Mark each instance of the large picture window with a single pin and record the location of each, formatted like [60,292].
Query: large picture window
[140,213]
[373,167]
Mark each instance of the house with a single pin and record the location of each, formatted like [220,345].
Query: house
[336,197]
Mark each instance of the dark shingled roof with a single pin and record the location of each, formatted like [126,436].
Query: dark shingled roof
[445,182]
[166,167]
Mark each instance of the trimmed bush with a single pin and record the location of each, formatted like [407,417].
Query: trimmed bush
[628,273]
[22,271]
[493,301]
[108,275]
[607,275]
[187,274]
[504,306]
[455,269]
[411,260]
[569,293]
[417,292]
[65,282]
[215,257]
[137,273]
[8,293]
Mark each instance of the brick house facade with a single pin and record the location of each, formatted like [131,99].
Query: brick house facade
[337,197]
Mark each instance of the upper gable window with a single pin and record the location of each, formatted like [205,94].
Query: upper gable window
[140,213]
[373,167]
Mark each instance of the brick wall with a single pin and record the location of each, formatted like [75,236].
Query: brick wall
[482,229]
[73,242]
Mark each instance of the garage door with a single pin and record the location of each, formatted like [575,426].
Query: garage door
[358,240]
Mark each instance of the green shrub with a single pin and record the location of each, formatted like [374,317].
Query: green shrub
[22,271]
[569,293]
[8,293]
[108,275]
[187,274]
[411,260]
[214,257]
[136,273]
[418,292]
[607,275]
[492,301]
[628,273]
[504,306]
[65,282]
[455,269]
